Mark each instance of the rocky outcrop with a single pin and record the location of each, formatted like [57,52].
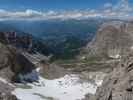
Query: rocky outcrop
[118,85]
[52,71]
[14,67]
[24,69]
[5,92]
[7,55]
[112,40]
[13,63]
[23,42]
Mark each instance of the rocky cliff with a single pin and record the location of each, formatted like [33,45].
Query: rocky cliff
[112,39]
[5,91]
[13,63]
[14,67]
[115,40]
[118,85]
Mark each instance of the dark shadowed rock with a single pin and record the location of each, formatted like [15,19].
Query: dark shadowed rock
[22,64]
[24,69]
[14,63]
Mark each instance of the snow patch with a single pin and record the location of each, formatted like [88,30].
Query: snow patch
[68,87]
[115,56]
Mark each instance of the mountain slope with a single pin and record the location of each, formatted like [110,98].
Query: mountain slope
[112,40]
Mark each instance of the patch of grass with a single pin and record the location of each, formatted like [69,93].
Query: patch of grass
[90,63]
[65,61]
[74,62]
[45,75]
[23,86]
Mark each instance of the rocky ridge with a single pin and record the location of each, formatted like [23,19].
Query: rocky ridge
[118,85]
[112,40]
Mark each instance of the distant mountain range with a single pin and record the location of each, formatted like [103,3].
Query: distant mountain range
[61,37]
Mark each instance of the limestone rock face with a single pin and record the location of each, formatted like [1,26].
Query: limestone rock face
[14,66]
[118,85]
[6,61]
[5,92]
[112,39]
[13,63]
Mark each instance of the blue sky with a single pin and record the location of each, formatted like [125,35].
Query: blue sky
[52,4]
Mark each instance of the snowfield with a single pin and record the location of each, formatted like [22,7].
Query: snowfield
[69,87]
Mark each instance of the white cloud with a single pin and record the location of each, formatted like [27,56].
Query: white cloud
[120,10]
[37,15]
